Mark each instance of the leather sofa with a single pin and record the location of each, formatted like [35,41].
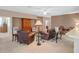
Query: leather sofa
[47,36]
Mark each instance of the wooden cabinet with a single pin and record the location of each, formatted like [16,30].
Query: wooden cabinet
[27,24]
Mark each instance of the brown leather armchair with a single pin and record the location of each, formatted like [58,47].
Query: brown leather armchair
[25,37]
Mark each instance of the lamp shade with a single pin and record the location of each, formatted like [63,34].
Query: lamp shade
[38,23]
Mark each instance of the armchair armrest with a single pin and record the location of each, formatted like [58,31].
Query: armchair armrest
[30,38]
[30,34]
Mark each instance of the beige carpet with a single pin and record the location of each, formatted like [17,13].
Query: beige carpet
[64,45]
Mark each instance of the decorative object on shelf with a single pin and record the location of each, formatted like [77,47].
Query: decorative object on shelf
[38,24]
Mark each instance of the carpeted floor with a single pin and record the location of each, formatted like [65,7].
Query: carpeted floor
[63,46]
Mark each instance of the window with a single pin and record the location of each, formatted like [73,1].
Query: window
[3,24]
[46,22]
[1,21]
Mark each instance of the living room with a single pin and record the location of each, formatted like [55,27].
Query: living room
[27,22]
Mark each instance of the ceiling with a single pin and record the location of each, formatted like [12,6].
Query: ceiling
[43,10]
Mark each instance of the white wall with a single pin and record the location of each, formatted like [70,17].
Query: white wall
[68,20]
[65,20]
[56,21]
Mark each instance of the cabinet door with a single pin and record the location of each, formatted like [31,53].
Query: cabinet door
[27,24]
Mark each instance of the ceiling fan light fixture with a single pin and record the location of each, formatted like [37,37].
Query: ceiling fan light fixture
[44,13]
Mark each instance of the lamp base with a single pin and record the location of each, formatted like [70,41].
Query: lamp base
[38,44]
